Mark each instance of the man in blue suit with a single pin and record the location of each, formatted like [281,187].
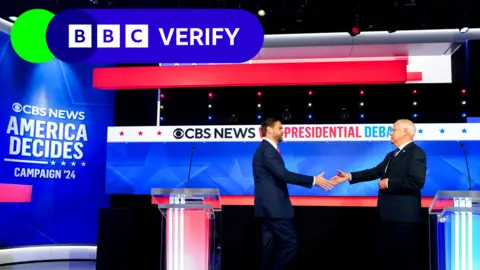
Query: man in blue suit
[272,201]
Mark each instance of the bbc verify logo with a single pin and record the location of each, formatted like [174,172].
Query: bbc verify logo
[136,36]
[139,36]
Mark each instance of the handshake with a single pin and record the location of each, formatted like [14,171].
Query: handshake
[332,182]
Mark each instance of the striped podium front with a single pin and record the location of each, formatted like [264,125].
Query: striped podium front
[189,237]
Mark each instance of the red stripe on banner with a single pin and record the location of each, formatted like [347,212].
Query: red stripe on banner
[414,76]
[11,193]
[314,73]
[304,201]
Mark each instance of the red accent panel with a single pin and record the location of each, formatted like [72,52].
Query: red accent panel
[314,73]
[188,239]
[10,193]
[414,76]
[312,201]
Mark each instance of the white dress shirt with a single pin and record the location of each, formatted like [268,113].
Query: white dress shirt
[276,147]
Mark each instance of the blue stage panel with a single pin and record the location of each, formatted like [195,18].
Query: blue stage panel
[135,168]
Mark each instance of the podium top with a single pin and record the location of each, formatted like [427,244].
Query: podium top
[186,198]
[188,192]
[455,201]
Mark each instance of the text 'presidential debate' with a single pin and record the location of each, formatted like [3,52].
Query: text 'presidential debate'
[155,36]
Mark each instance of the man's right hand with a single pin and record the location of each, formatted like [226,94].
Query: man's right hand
[323,183]
[341,177]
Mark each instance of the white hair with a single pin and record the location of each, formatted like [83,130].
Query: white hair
[409,125]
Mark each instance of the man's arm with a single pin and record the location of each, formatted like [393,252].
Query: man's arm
[370,174]
[274,164]
[417,171]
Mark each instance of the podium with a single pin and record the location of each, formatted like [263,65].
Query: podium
[455,230]
[190,241]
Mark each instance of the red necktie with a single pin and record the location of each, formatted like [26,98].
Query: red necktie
[278,150]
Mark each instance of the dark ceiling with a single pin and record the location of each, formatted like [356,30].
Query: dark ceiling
[300,16]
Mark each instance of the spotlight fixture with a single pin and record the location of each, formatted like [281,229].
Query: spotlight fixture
[233,119]
[344,114]
[464,29]
[354,31]
[286,115]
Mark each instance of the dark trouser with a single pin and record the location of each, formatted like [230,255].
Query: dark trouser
[399,246]
[279,243]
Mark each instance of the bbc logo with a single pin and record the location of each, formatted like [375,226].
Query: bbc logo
[108,36]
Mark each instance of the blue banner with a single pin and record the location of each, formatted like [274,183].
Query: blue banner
[54,130]
[136,167]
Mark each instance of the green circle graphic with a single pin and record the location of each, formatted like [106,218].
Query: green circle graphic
[29,36]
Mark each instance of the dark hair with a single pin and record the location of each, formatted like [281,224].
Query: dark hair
[268,122]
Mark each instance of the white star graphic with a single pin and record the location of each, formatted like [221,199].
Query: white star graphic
[84,164]
[73,163]
[52,162]
[63,163]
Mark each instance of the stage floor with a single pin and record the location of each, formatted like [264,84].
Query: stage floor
[52,266]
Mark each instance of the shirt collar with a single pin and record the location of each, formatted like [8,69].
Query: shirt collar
[403,145]
[271,142]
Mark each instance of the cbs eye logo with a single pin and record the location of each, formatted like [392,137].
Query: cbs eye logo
[178,133]
[17,107]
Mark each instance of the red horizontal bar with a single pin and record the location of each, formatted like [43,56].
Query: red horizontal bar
[414,76]
[313,201]
[313,73]
[11,193]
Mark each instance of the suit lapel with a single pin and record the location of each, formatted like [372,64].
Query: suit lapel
[399,156]
[271,146]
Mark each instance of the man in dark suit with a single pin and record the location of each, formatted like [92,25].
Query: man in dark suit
[272,201]
[402,175]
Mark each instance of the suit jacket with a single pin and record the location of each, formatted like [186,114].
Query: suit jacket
[406,172]
[271,177]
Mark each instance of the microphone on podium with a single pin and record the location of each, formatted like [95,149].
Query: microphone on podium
[466,163]
[190,166]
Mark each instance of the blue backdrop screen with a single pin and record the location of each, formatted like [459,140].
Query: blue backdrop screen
[54,131]
[135,168]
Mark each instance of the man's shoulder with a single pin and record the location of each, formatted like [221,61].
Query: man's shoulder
[417,150]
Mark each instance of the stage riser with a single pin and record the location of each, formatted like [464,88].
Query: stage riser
[343,236]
